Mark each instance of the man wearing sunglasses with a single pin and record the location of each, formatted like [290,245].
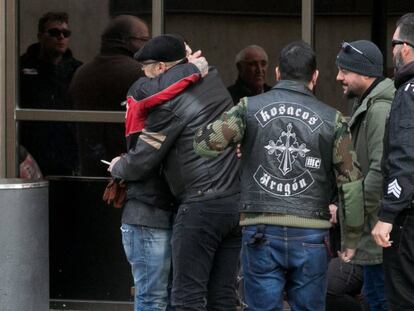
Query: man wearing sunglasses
[46,70]
[395,228]
[360,72]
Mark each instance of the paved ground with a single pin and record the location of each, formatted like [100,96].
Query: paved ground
[98,306]
[91,306]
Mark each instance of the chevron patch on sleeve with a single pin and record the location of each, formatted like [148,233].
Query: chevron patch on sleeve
[394,188]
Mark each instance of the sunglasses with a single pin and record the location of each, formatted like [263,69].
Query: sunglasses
[397,42]
[56,32]
[347,48]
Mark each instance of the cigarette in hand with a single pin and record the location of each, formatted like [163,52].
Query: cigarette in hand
[106,162]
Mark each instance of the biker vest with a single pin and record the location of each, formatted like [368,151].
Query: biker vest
[287,153]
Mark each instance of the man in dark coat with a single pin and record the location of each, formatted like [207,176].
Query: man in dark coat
[102,84]
[46,70]
[395,228]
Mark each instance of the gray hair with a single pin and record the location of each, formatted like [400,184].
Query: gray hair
[241,56]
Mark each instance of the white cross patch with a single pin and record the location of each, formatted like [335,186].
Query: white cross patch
[394,188]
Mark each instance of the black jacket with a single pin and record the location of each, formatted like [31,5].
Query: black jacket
[398,158]
[102,84]
[44,86]
[150,202]
[168,139]
[239,90]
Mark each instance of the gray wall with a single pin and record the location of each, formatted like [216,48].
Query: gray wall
[220,37]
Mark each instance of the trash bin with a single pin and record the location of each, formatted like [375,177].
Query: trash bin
[24,245]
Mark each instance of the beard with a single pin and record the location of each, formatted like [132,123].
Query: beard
[351,95]
[398,61]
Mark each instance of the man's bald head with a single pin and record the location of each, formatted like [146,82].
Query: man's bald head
[248,50]
[252,64]
[126,30]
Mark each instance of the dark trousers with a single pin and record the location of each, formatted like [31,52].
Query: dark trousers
[345,282]
[399,264]
[205,249]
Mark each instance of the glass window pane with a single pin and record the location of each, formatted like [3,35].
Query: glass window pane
[72,149]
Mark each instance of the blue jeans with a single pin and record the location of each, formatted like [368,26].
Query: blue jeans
[276,258]
[373,288]
[148,250]
[206,250]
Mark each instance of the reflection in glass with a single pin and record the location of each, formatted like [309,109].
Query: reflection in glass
[47,67]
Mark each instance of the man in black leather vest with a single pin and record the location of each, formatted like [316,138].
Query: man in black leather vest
[295,150]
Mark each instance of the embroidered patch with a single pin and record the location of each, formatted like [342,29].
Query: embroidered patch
[288,165]
[288,110]
[312,162]
[287,149]
[282,186]
[394,188]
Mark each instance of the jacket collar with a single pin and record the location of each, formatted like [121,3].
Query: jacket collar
[294,86]
[115,47]
[240,84]
[404,74]
[362,107]
[34,49]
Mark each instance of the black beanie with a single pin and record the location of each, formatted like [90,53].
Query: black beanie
[164,48]
[362,57]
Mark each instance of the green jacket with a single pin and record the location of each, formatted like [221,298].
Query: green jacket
[367,126]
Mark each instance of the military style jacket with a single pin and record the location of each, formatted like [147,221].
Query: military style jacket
[367,126]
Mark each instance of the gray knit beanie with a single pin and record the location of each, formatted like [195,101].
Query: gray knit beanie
[362,57]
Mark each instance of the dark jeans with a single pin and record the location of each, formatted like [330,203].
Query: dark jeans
[398,264]
[344,285]
[277,258]
[205,248]
[373,288]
